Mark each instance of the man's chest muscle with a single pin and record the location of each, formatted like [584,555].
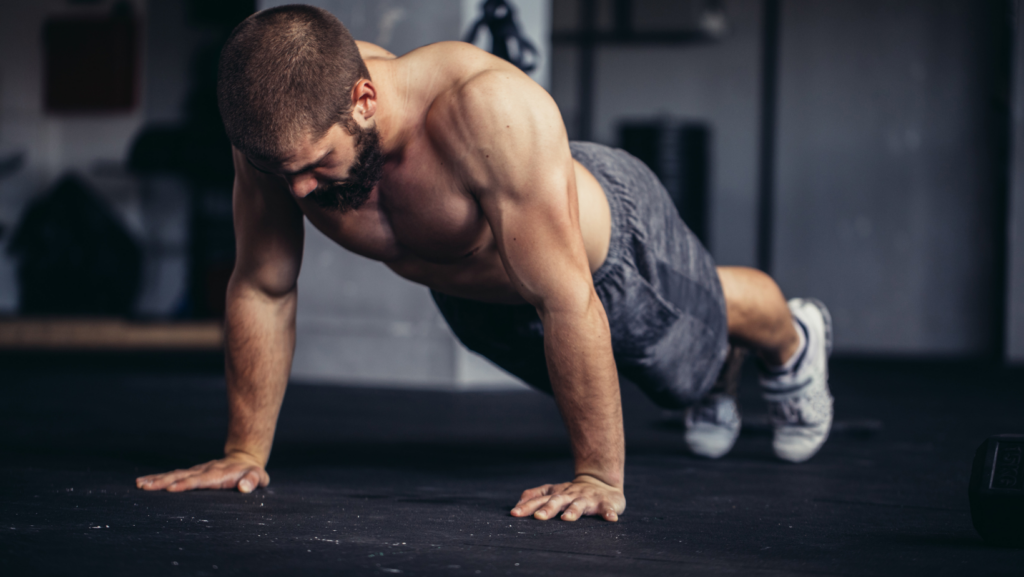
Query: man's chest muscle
[431,214]
[417,213]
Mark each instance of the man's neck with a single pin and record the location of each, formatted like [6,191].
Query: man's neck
[399,111]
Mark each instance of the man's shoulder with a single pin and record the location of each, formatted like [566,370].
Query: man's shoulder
[448,63]
[368,50]
[476,99]
[449,53]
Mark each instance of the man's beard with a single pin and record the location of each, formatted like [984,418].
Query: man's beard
[365,173]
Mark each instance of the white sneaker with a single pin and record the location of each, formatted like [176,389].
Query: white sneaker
[712,425]
[799,401]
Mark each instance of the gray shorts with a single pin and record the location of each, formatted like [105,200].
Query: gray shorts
[658,285]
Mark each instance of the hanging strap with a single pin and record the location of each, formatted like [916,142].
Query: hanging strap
[498,17]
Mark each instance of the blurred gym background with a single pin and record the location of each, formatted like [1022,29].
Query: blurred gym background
[866,152]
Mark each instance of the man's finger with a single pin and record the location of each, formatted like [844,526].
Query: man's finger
[527,508]
[249,481]
[147,479]
[225,478]
[170,477]
[534,493]
[552,507]
[556,489]
[211,478]
[187,484]
[607,511]
[157,482]
[576,509]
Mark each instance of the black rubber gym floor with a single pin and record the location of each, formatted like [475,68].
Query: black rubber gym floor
[378,482]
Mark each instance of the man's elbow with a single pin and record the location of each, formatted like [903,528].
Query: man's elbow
[578,300]
[266,285]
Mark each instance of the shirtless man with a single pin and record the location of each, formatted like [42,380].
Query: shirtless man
[564,263]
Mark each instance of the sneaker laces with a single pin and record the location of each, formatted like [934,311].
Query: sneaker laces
[708,411]
[800,410]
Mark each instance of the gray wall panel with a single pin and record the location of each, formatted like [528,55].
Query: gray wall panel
[718,83]
[884,172]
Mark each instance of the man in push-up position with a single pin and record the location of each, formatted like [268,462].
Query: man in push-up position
[563,262]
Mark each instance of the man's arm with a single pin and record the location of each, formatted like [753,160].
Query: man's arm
[260,334]
[509,140]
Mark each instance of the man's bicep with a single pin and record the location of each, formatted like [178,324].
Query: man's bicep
[268,231]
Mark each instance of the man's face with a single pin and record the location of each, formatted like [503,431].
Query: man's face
[364,174]
[338,172]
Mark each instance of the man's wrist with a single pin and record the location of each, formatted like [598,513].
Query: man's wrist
[237,453]
[606,480]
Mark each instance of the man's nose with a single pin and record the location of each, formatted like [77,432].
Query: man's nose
[302,184]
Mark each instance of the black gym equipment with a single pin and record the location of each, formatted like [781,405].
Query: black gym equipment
[997,490]
[75,256]
[499,17]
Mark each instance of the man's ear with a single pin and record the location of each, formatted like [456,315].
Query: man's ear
[364,99]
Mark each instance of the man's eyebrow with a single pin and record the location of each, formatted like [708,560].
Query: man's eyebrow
[306,168]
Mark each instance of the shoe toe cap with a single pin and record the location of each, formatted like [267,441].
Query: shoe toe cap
[713,444]
[799,445]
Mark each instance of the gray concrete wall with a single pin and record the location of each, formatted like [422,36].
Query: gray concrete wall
[717,83]
[397,25]
[885,172]
[884,162]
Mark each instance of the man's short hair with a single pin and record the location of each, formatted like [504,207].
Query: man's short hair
[286,73]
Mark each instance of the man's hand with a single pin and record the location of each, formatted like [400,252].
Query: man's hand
[584,496]
[236,470]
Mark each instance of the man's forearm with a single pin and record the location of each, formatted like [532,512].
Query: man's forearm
[260,335]
[586,388]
